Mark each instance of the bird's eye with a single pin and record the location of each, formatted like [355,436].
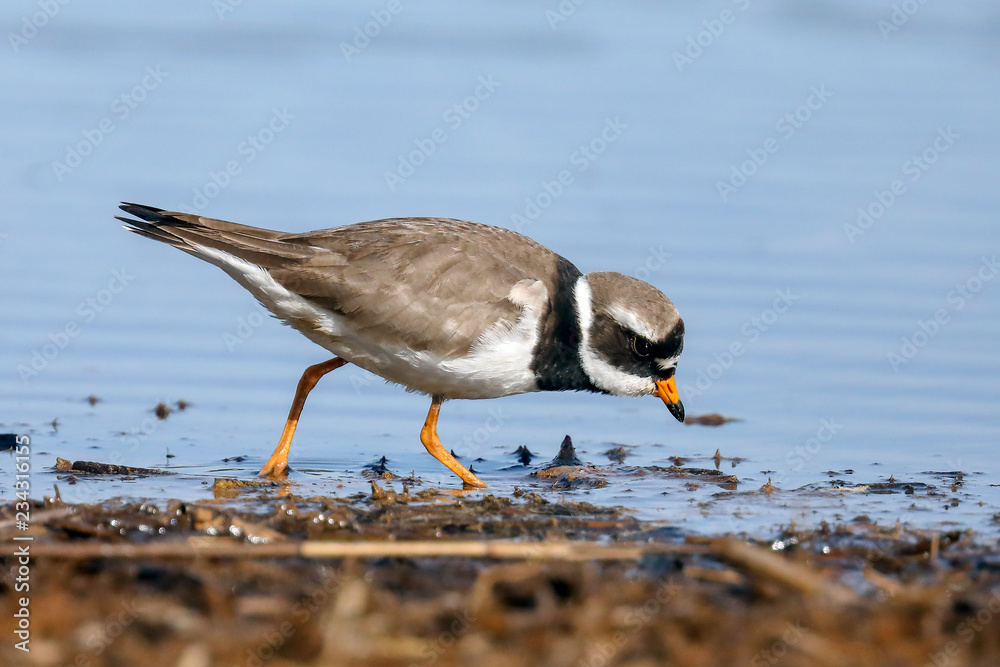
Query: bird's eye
[640,346]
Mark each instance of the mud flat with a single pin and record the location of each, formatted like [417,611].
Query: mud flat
[260,576]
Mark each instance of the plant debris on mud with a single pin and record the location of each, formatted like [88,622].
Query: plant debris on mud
[404,578]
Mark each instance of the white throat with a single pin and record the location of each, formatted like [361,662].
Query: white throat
[603,374]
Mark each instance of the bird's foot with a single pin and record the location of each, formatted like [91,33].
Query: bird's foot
[274,469]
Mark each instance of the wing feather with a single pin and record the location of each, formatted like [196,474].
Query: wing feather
[435,284]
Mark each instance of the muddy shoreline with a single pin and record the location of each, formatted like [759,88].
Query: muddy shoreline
[433,578]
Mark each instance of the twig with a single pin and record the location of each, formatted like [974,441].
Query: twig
[207,547]
[787,573]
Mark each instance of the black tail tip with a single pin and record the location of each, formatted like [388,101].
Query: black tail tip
[141,210]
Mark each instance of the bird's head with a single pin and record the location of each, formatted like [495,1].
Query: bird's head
[631,337]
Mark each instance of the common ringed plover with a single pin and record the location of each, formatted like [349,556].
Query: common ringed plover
[448,308]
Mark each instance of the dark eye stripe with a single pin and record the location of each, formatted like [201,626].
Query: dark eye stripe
[671,347]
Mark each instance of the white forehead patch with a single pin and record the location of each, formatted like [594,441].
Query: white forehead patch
[631,321]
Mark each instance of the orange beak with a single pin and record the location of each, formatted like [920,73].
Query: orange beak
[667,391]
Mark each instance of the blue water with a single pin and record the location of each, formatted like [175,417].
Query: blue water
[808,183]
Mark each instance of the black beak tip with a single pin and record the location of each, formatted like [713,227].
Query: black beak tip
[677,410]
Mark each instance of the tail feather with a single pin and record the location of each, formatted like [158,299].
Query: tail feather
[157,232]
[147,213]
[263,247]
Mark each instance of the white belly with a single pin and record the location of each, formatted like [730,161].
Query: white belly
[499,364]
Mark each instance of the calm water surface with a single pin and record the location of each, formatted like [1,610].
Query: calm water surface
[815,187]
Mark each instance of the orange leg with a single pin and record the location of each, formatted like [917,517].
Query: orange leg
[429,436]
[278,463]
